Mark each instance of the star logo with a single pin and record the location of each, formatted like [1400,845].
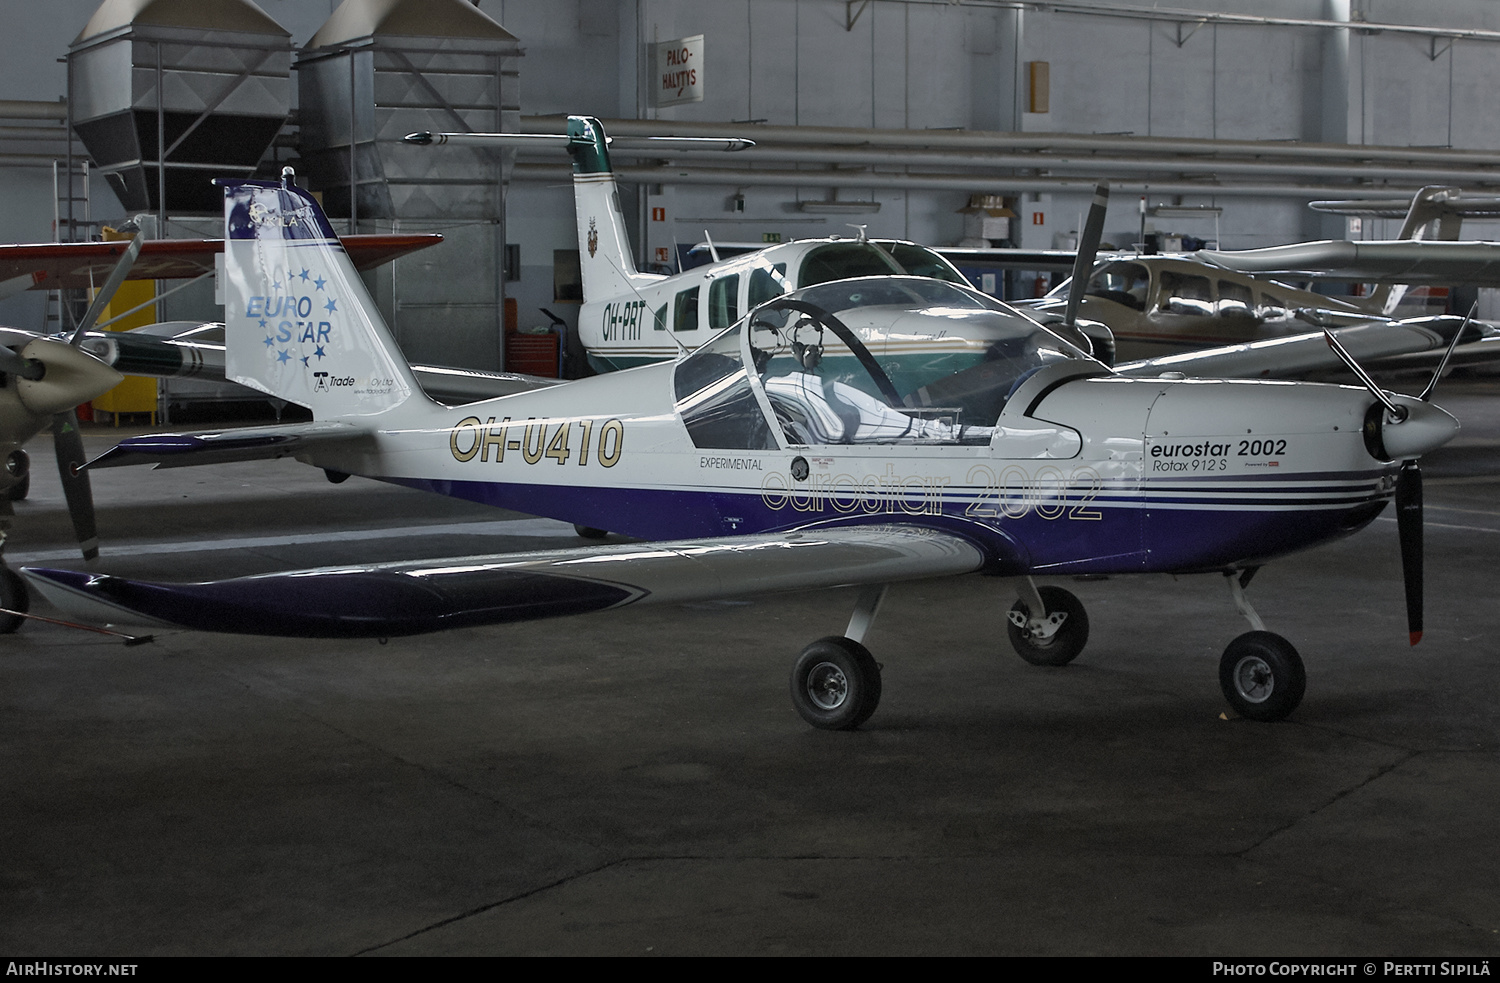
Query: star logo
[283,356]
[318,282]
[332,306]
[304,275]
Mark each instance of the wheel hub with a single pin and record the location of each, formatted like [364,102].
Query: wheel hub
[1253,679]
[1040,629]
[827,686]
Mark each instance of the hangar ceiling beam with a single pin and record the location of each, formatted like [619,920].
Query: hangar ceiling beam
[1179,15]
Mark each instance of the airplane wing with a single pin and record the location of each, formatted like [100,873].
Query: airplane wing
[175,450]
[388,600]
[1398,261]
[68,265]
[1413,343]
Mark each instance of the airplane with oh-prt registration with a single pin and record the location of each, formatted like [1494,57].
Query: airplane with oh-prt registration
[800,448]
[631,318]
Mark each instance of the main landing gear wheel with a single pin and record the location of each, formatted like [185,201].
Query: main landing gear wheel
[836,684]
[13,597]
[1061,635]
[1262,676]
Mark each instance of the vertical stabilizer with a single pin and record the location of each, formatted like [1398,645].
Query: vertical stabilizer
[1431,216]
[298,321]
[609,268]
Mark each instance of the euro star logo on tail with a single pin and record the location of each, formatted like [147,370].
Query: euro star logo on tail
[593,238]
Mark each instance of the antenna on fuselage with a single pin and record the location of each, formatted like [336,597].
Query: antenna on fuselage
[713,251]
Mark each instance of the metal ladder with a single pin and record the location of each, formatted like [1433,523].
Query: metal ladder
[70,190]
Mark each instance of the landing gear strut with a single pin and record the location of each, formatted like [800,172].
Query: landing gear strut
[1048,625]
[1260,672]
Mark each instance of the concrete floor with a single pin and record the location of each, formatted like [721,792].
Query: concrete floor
[638,783]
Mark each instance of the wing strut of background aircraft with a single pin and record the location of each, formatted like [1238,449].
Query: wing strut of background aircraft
[855,432]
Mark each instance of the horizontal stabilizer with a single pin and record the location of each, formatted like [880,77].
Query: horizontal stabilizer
[175,450]
[414,597]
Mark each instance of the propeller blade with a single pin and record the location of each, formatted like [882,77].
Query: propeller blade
[1409,528]
[76,487]
[1088,249]
[107,292]
[1427,393]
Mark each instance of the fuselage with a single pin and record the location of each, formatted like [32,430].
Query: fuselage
[663,317]
[1161,304]
[1058,466]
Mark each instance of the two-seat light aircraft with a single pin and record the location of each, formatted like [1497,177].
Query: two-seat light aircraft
[805,446]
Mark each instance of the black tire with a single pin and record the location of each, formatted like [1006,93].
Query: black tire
[836,684]
[1262,676]
[1065,644]
[589,532]
[20,489]
[13,597]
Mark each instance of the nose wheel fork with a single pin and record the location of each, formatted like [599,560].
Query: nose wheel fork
[1261,674]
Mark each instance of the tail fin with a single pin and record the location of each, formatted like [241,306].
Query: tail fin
[609,268]
[1435,212]
[298,321]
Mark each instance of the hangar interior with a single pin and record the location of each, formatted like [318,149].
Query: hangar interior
[891,115]
[596,786]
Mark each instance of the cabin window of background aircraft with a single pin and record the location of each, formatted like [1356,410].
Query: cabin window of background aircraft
[843,260]
[1123,283]
[685,313]
[723,302]
[1183,293]
[1235,299]
[766,284]
[921,261]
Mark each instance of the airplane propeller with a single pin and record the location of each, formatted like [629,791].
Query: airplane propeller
[1422,422]
[50,379]
[1088,249]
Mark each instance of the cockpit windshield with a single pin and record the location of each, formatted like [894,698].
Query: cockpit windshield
[873,360]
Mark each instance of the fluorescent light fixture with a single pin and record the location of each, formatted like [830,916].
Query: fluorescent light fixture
[1187,211]
[840,207]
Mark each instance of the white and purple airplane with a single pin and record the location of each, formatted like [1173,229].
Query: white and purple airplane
[856,432]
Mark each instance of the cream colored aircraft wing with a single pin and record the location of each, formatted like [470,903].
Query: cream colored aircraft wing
[1379,344]
[1406,261]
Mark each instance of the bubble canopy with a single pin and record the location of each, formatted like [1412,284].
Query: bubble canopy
[869,360]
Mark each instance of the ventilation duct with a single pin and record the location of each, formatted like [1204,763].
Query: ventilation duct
[380,69]
[204,85]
